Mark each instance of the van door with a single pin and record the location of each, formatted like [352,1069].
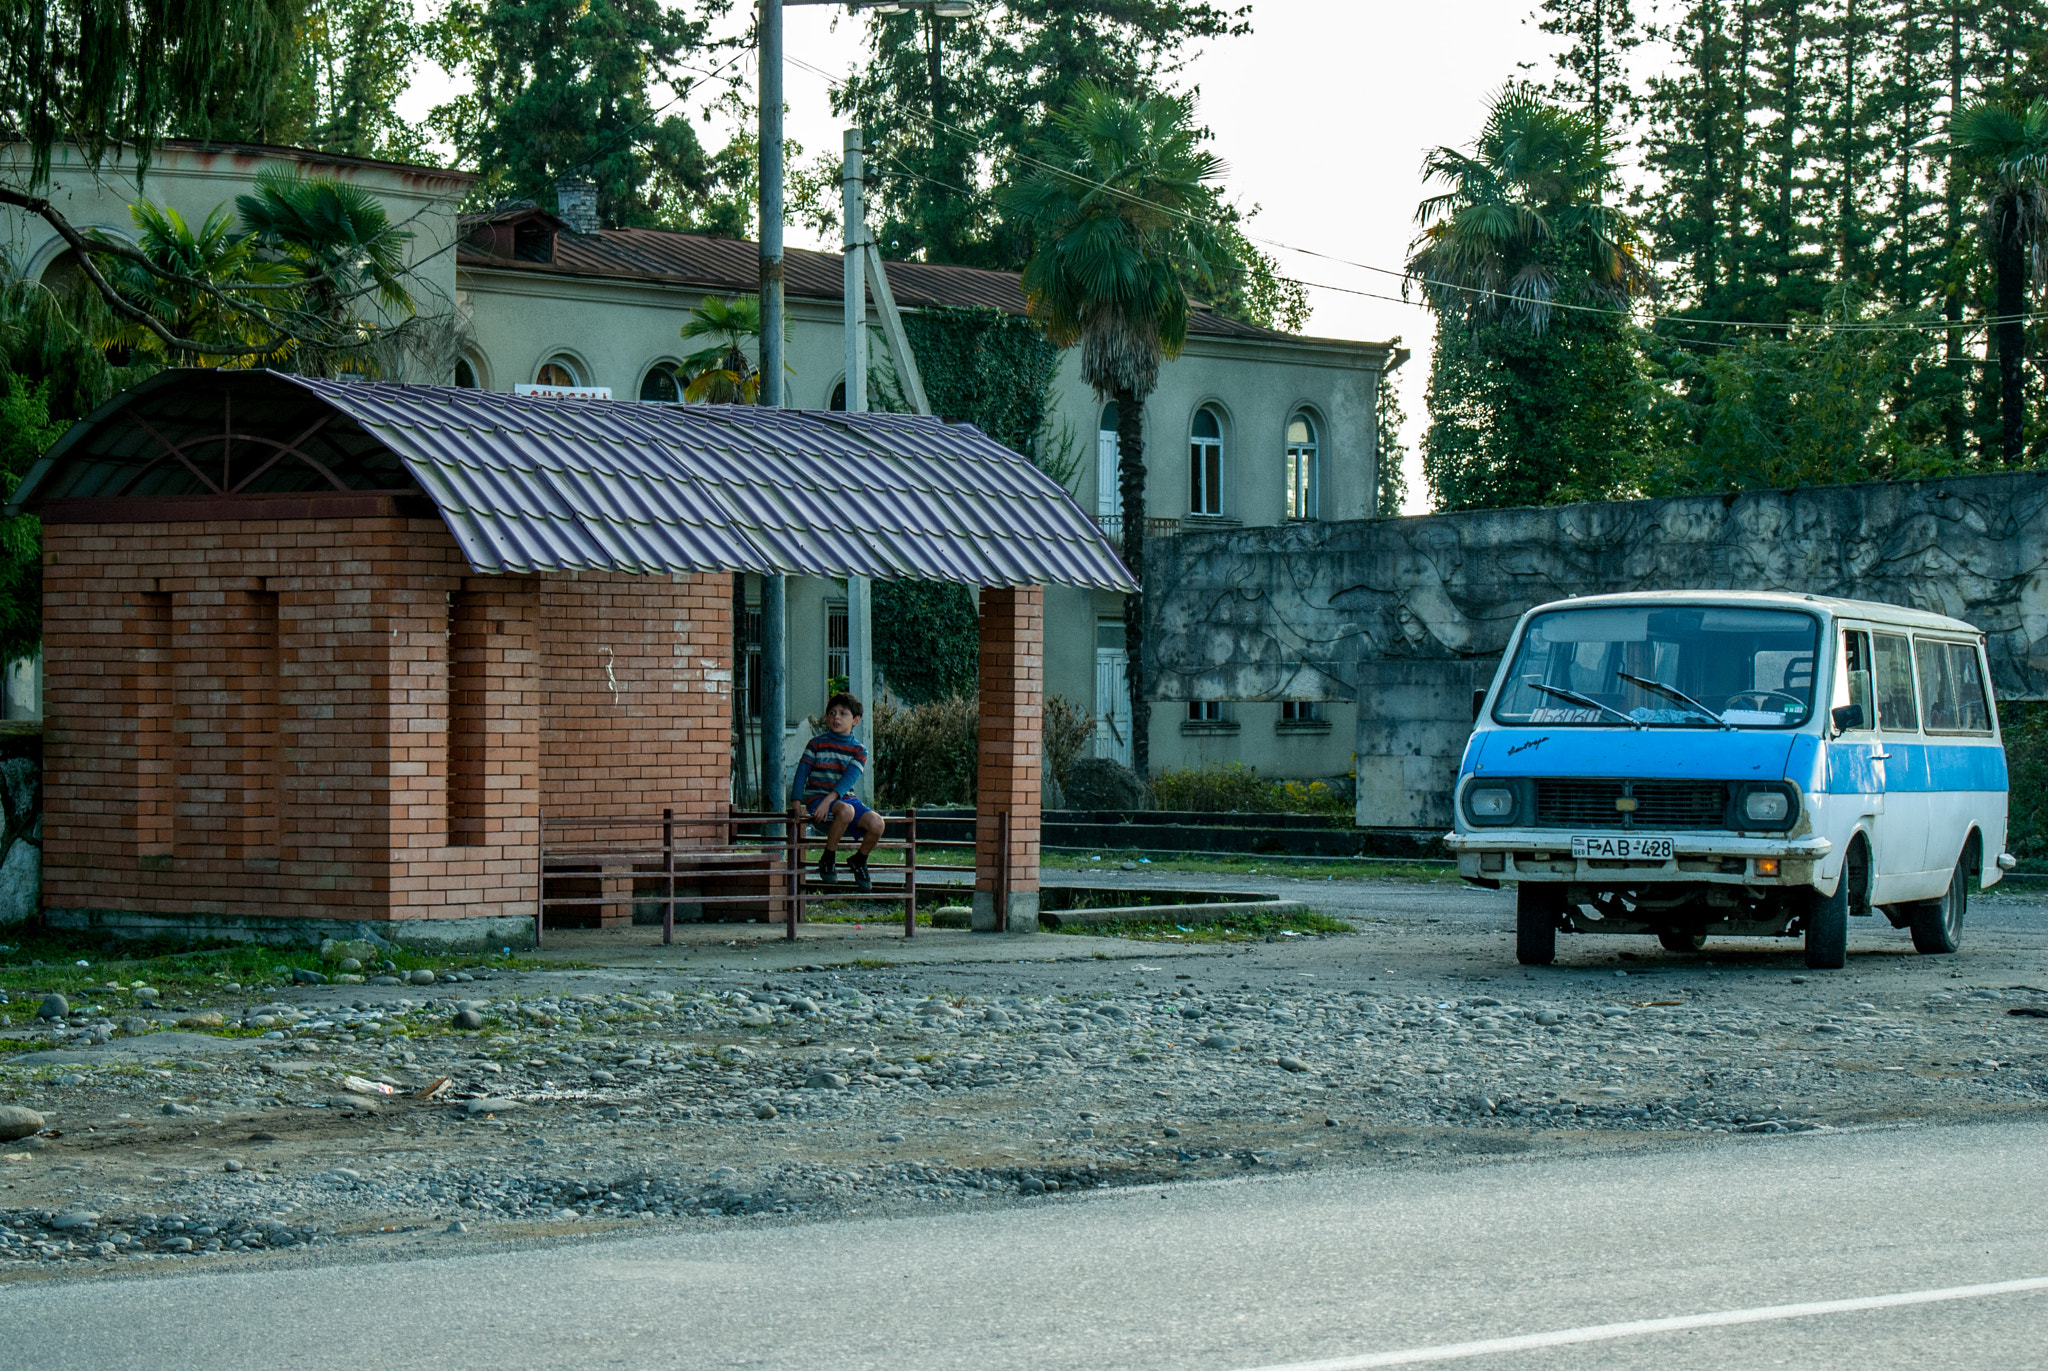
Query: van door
[1908,808]
[1857,756]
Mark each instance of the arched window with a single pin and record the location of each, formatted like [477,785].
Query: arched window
[556,371]
[660,385]
[838,401]
[1303,451]
[465,374]
[1205,463]
[1109,495]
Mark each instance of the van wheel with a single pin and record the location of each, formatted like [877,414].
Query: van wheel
[1680,940]
[1827,928]
[1938,924]
[1536,911]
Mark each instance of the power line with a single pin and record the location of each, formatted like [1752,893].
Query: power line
[1475,293]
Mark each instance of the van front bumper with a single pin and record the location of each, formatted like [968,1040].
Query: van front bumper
[1527,854]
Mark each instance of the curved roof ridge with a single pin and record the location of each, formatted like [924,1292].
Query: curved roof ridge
[532,483]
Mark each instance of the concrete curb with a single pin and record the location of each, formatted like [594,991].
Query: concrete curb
[1168,913]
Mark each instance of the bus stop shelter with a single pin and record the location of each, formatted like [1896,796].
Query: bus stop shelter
[318,654]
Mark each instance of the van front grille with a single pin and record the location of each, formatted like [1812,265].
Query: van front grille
[1659,804]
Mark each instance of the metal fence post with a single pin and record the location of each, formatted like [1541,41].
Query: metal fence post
[795,848]
[668,871]
[910,876]
[1003,872]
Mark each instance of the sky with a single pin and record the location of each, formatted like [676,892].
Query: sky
[1323,113]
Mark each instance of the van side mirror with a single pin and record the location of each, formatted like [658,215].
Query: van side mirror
[1478,703]
[1846,717]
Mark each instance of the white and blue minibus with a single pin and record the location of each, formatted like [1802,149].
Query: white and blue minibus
[1705,764]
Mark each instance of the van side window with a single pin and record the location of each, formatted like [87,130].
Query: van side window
[1856,673]
[1952,684]
[1896,709]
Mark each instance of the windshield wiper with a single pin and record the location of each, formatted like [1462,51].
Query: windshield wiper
[1674,693]
[1586,700]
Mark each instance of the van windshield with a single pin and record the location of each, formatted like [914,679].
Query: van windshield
[1663,666]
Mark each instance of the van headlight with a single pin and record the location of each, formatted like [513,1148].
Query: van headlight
[1490,804]
[1765,806]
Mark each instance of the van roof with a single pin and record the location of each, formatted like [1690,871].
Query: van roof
[1777,599]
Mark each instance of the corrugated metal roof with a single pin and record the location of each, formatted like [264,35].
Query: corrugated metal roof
[732,265]
[536,484]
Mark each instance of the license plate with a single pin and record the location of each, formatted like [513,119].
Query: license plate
[1623,849]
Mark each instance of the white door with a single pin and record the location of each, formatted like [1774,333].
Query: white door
[1112,705]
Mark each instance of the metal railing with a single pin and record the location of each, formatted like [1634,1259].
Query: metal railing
[750,861]
[1112,526]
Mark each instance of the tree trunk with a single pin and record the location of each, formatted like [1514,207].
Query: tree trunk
[1130,473]
[2009,292]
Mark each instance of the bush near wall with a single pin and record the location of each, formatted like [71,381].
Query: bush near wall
[2024,724]
[1233,787]
[925,753]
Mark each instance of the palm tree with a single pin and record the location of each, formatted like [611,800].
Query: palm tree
[1535,387]
[1117,211]
[721,374]
[194,284]
[1523,225]
[341,249]
[2010,143]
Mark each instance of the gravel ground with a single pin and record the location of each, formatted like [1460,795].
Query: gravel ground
[709,1091]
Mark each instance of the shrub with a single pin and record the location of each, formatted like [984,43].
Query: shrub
[925,753]
[1069,728]
[1215,789]
[2024,725]
[1234,787]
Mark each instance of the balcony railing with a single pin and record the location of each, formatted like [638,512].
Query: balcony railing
[1112,526]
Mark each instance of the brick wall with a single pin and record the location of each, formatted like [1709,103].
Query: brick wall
[278,719]
[1010,750]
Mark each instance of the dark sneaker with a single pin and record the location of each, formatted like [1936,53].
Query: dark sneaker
[826,873]
[859,867]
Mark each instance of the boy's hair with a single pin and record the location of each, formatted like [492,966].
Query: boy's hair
[852,703]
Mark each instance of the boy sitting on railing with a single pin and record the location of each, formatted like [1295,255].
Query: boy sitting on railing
[823,788]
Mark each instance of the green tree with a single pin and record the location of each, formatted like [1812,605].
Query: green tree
[342,254]
[192,283]
[1592,72]
[1388,420]
[721,374]
[2008,142]
[1536,392]
[955,105]
[1115,208]
[565,87]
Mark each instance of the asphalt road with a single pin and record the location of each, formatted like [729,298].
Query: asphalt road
[1337,1268]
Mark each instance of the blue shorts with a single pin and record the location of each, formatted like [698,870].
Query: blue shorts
[860,811]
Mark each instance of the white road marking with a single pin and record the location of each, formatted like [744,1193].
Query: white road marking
[1564,1337]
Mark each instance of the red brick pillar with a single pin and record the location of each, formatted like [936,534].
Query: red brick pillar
[1010,753]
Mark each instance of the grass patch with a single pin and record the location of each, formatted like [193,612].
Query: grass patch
[41,960]
[1241,929]
[1192,864]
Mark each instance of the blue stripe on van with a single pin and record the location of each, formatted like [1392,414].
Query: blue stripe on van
[1915,766]
[1702,754]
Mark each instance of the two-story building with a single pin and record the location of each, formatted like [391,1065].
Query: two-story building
[1247,426]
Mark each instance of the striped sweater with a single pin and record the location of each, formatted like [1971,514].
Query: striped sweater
[831,765]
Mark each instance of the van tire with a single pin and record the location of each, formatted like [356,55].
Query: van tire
[1536,911]
[1938,924]
[1827,929]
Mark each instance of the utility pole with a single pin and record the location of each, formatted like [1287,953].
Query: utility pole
[860,656]
[774,589]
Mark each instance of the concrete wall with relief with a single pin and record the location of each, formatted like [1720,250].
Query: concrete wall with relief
[1405,617]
